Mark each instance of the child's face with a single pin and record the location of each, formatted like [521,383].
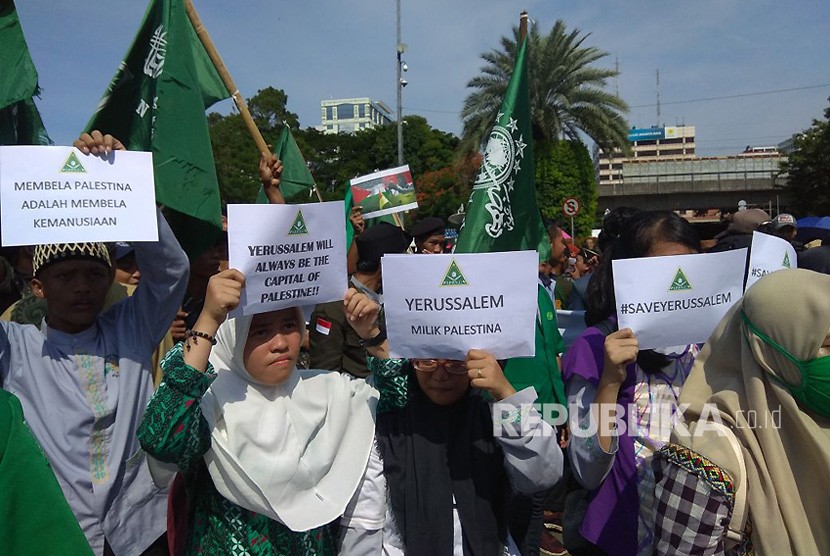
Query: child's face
[273,346]
[126,270]
[75,292]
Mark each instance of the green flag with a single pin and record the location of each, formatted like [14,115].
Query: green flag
[20,122]
[297,184]
[156,102]
[502,214]
[348,201]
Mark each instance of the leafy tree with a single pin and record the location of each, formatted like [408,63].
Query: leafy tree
[441,192]
[335,159]
[564,169]
[332,159]
[567,91]
[325,155]
[268,108]
[234,150]
[808,168]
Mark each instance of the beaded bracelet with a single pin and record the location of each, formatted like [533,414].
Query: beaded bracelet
[196,334]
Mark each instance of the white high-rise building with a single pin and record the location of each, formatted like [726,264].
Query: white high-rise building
[347,115]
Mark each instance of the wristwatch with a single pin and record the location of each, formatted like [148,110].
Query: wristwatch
[376,341]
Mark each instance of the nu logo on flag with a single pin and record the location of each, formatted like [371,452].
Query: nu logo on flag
[298,227]
[680,282]
[786,260]
[73,165]
[453,276]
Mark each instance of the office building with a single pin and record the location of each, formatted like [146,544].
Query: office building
[347,115]
[652,144]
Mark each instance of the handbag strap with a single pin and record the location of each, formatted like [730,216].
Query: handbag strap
[737,521]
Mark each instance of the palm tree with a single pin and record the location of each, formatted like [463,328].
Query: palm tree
[567,93]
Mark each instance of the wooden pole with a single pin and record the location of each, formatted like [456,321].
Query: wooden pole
[522,25]
[203,35]
[238,99]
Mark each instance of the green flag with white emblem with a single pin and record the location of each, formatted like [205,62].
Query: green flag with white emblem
[20,122]
[502,214]
[156,102]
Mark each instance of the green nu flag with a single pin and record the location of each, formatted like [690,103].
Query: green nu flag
[156,102]
[297,183]
[20,122]
[502,214]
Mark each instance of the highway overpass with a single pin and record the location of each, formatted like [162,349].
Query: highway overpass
[697,184]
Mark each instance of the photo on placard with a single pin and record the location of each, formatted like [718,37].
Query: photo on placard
[385,192]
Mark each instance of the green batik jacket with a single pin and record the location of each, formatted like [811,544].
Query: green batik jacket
[175,431]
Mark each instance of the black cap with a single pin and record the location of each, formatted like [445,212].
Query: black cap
[426,227]
[381,239]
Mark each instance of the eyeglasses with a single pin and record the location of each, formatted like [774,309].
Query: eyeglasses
[431,365]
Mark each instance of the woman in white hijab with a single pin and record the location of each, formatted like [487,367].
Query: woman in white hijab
[270,455]
[751,465]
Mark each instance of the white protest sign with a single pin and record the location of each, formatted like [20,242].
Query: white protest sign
[768,254]
[441,306]
[59,195]
[678,299]
[290,254]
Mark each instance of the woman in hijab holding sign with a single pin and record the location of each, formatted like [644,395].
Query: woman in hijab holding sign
[271,455]
[751,465]
[612,385]
[446,456]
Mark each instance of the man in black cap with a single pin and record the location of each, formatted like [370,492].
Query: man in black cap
[429,235]
[333,344]
[784,226]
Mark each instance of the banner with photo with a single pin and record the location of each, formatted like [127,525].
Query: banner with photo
[441,306]
[385,192]
[290,254]
[678,299]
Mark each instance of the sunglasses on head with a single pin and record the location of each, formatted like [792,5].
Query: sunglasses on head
[431,365]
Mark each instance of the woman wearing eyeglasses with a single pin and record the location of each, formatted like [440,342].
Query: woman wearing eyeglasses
[445,458]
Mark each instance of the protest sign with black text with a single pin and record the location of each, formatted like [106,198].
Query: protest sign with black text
[290,254]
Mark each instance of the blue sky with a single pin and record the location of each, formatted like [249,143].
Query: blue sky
[316,50]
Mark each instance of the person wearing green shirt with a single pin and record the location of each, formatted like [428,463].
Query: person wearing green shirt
[35,518]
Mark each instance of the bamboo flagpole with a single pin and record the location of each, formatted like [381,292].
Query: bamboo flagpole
[238,99]
[522,25]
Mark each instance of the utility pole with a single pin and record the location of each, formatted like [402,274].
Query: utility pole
[400,84]
[658,96]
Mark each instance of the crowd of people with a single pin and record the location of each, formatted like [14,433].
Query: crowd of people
[138,418]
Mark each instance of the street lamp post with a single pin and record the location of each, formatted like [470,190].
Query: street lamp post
[401,83]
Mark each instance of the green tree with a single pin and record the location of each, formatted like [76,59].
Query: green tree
[335,159]
[441,192]
[332,158]
[234,150]
[808,169]
[564,169]
[567,90]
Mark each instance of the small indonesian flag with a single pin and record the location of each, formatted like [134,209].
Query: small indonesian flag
[323,326]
